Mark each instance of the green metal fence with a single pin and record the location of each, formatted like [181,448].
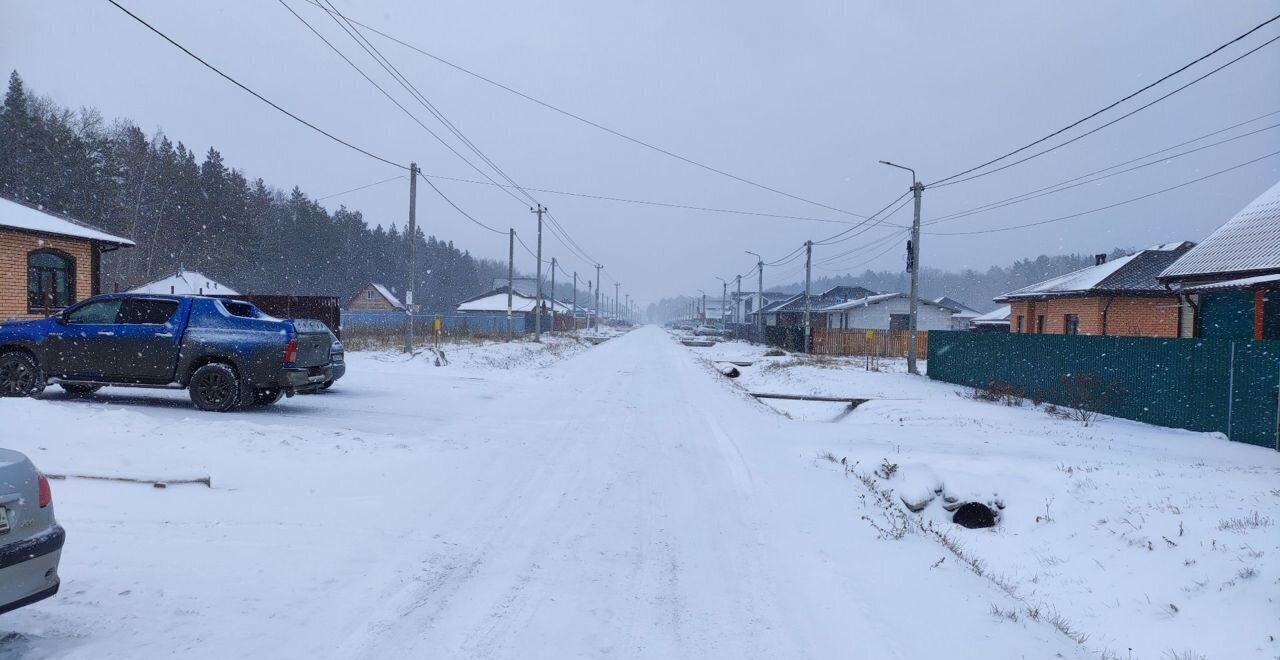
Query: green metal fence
[1222,385]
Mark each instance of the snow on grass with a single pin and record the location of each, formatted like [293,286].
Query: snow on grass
[1121,535]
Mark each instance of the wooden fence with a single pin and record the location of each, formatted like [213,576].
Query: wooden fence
[881,343]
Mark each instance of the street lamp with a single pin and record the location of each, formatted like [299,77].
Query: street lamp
[913,265]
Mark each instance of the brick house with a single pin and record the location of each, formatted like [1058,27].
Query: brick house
[1231,280]
[374,297]
[48,261]
[1121,297]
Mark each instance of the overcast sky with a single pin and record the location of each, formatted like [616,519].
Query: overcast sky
[805,97]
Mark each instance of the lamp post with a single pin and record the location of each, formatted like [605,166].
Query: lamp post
[913,265]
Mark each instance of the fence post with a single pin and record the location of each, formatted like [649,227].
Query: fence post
[1231,386]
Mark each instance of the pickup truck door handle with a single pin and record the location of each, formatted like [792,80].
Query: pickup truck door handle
[106,333]
[164,334]
[55,334]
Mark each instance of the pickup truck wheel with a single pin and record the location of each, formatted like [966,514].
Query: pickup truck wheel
[215,387]
[77,389]
[20,375]
[267,397]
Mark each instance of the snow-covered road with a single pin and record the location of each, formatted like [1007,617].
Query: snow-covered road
[624,502]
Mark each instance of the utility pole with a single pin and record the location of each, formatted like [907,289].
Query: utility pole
[575,301]
[591,314]
[913,267]
[737,305]
[598,287]
[626,309]
[759,296]
[413,243]
[511,279]
[553,294]
[615,300]
[724,292]
[808,261]
[537,310]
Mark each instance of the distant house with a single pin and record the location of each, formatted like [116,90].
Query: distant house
[186,283]
[1121,297]
[789,312]
[963,317]
[1230,282]
[48,261]
[491,307]
[374,297]
[745,305]
[887,311]
[993,321]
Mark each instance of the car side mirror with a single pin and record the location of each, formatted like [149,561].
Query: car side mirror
[61,318]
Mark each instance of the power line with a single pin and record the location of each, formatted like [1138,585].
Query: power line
[386,64]
[456,208]
[686,207]
[584,120]
[850,268]
[256,95]
[1104,208]
[1114,104]
[1060,187]
[383,91]
[370,185]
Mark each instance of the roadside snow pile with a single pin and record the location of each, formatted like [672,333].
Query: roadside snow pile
[1120,535]
[523,353]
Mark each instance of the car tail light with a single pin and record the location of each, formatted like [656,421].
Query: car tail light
[291,351]
[46,493]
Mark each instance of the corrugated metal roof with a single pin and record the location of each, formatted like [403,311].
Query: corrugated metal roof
[1248,243]
[1135,274]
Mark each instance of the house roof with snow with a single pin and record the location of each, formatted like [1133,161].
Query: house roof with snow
[496,301]
[386,293]
[25,217]
[1134,275]
[186,283]
[1248,244]
[876,299]
[999,316]
[819,302]
[951,303]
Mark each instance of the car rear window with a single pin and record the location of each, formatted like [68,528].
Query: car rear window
[241,309]
[147,311]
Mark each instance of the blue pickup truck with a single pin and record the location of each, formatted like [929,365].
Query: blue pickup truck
[224,352]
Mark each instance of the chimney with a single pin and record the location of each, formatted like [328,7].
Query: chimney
[1099,259]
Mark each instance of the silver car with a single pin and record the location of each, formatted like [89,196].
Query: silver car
[30,538]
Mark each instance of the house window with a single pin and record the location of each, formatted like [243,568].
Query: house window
[50,280]
[1040,324]
[368,295]
[1021,327]
[1071,324]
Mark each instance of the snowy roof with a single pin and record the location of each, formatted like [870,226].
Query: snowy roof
[1248,243]
[952,303]
[1000,316]
[1242,283]
[496,301]
[186,283]
[385,293]
[820,301]
[1132,275]
[863,302]
[17,215]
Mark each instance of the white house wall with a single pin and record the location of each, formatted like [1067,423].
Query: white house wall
[876,316]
